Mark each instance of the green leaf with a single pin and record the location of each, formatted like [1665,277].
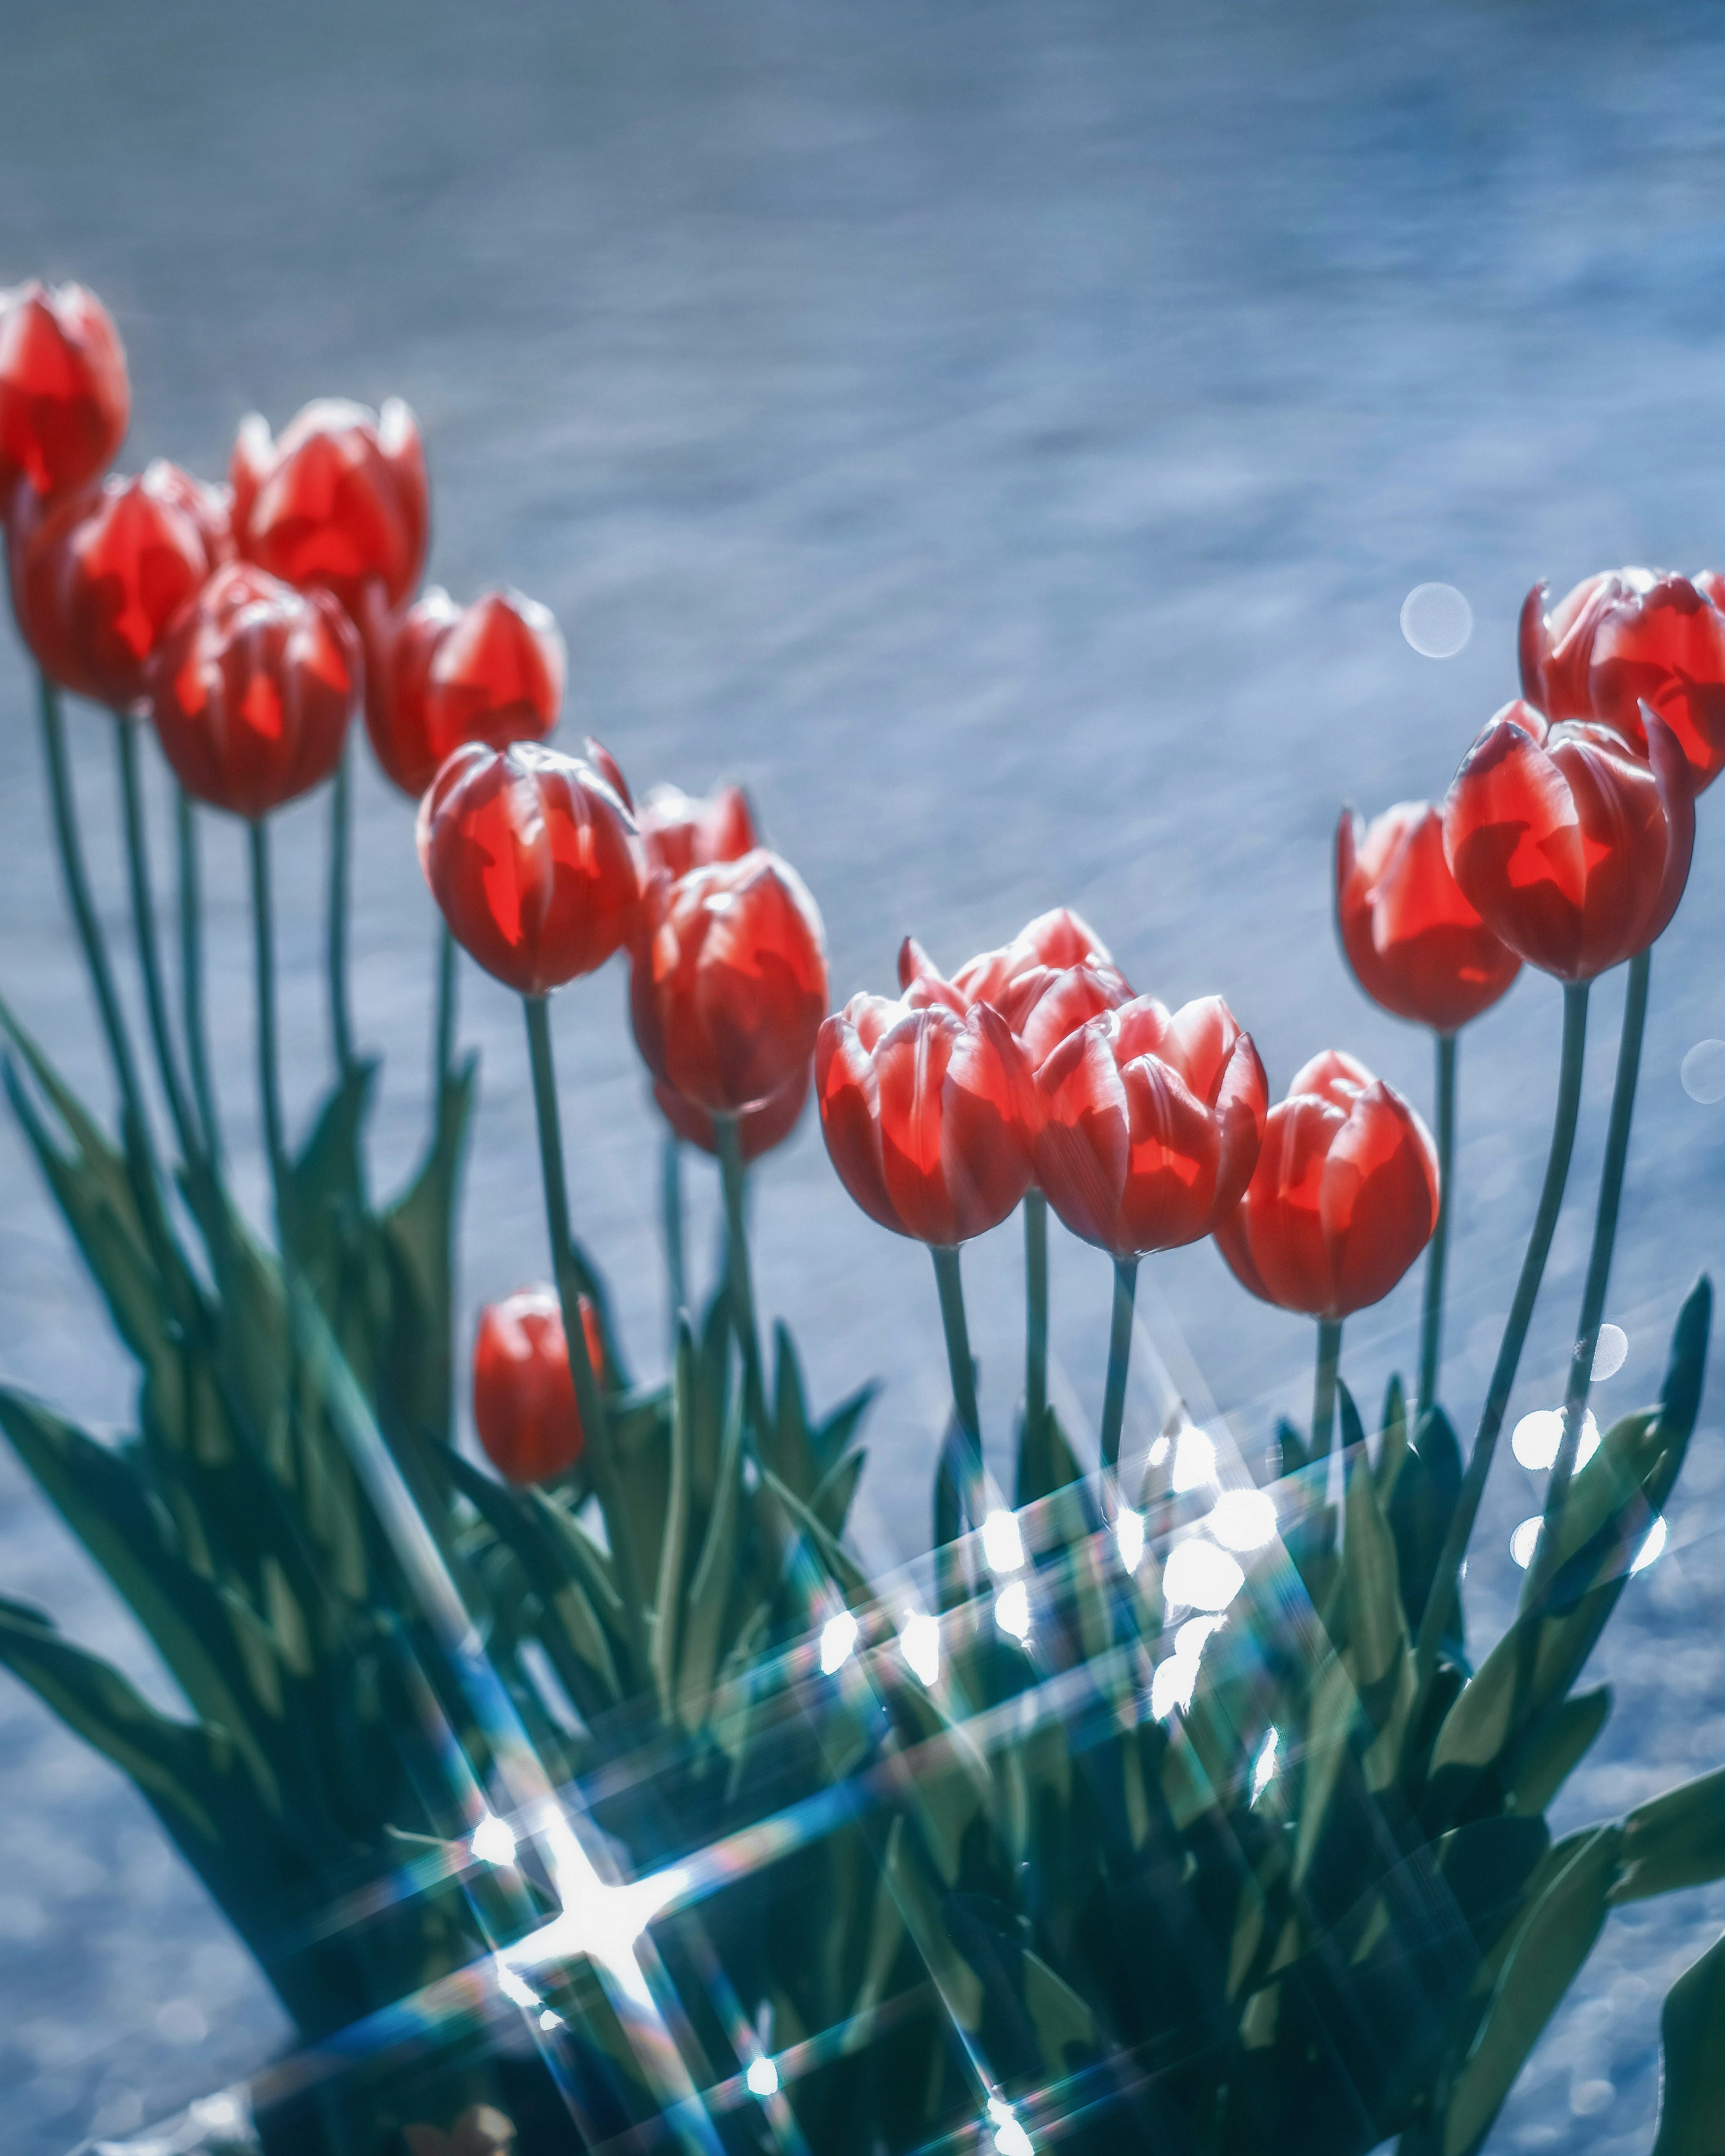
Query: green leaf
[668,1602]
[1554,1940]
[1419,1506]
[793,1458]
[1692,2099]
[1556,1746]
[710,1590]
[831,1502]
[1676,1841]
[419,1231]
[1393,1445]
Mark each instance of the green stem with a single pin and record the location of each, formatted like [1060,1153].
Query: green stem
[739,1278]
[268,1059]
[192,975]
[1599,1268]
[589,1398]
[1120,1349]
[1035,1315]
[1431,1330]
[446,988]
[671,1198]
[1323,1386]
[951,1286]
[341,854]
[143,917]
[1436,1614]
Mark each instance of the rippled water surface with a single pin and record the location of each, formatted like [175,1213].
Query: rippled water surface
[1005,436]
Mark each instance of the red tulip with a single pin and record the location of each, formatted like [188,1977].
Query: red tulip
[439,674]
[930,1118]
[1344,1197]
[1630,637]
[64,399]
[728,986]
[254,686]
[99,573]
[523,1392]
[759,1130]
[339,497]
[1574,850]
[1414,943]
[534,860]
[1053,942]
[1150,1125]
[680,834]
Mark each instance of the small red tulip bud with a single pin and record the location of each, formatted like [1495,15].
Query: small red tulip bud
[65,399]
[681,834]
[523,1391]
[1054,977]
[1416,945]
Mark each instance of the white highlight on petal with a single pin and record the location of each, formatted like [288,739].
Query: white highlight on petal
[1610,1351]
[1012,1610]
[920,1644]
[1524,1541]
[1129,1538]
[1437,620]
[1002,1545]
[493,1841]
[1536,1436]
[838,1642]
[1201,1576]
[1702,1072]
[1194,1461]
[1651,1547]
[1263,1766]
[762,2077]
[1242,1520]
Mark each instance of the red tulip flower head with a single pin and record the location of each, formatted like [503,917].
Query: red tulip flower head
[99,573]
[759,1130]
[930,1118]
[1573,851]
[254,686]
[1631,637]
[1417,947]
[1150,1125]
[729,985]
[65,399]
[439,675]
[1344,1197]
[534,860]
[340,497]
[523,1391]
[1051,978]
[680,834]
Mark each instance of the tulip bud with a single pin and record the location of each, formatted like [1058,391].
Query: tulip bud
[438,675]
[98,574]
[930,1118]
[1150,1125]
[1573,850]
[254,686]
[340,497]
[1053,976]
[680,834]
[65,399]
[759,1130]
[728,985]
[1417,947]
[534,862]
[1344,1199]
[523,1391]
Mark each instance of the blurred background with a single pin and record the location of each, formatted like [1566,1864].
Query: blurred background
[1002,436]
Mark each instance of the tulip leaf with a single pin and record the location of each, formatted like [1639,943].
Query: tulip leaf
[668,1601]
[710,1589]
[1556,1746]
[1676,1840]
[1420,1504]
[1393,1441]
[1691,2097]
[419,1232]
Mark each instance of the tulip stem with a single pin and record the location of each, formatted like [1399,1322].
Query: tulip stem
[143,918]
[1120,1349]
[268,1064]
[589,1399]
[192,975]
[950,1283]
[671,1198]
[739,1279]
[446,986]
[1035,1316]
[1436,1614]
[1431,1329]
[1599,1271]
[341,855]
[1323,1387]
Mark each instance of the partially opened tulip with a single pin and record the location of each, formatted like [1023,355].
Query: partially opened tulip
[64,399]
[1573,851]
[438,675]
[523,1391]
[680,833]
[338,498]
[1416,945]
[98,574]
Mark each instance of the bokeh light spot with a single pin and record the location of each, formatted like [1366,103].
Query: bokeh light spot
[1702,1072]
[1437,620]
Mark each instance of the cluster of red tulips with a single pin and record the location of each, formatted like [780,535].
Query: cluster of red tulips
[253,623]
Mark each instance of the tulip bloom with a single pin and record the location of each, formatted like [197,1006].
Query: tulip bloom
[759,1130]
[254,686]
[1344,1197]
[340,497]
[728,986]
[534,862]
[1150,1125]
[523,1392]
[65,399]
[439,674]
[1630,637]
[1573,851]
[1057,942]
[930,1118]
[680,834]
[1416,946]
[98,574]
